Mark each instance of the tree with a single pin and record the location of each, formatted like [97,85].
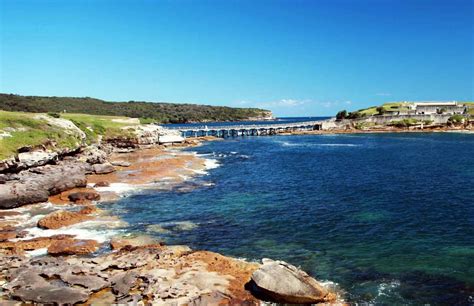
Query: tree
[341,115]
[380,110]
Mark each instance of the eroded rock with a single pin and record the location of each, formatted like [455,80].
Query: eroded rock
[121,163]
[102,184]
[84,196]
[73,247]
[103,168]
[278,281]
[61,218]
[32,244]
[37,184]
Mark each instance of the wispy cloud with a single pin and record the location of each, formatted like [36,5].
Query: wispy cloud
[283,103]
[383,94]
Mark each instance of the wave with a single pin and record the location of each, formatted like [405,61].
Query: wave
[211,163]
[95,230]
[120,188]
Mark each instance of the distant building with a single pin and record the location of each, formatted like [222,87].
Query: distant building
[428,108]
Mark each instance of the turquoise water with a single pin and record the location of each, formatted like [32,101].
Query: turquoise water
[388,217]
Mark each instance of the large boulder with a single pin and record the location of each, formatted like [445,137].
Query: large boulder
[61,218]
[35,158]
[280,282]
[83,196]
[103,168]
[37,184]
[32,244]
[73,247]
[93,155]
[102,184]
[121,163]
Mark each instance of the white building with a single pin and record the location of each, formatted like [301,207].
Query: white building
[427,108]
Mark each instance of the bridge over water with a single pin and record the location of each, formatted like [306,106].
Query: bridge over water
[249,129]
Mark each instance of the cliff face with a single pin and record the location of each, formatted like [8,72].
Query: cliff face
[264,115]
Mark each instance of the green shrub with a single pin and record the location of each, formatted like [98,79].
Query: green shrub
[54,115]
[456,119]
[380,110]
[147,120]
[404,123]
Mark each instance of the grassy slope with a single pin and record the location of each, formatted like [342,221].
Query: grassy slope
[392,106]
[29,130]
[471,107]
[159,112]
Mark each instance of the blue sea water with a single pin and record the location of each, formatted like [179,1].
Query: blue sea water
[388,217]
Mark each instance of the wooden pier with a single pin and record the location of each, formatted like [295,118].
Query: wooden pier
[249,130]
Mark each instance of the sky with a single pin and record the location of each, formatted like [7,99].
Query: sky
[295,57]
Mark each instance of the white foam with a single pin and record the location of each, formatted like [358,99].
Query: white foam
[338,145]
[37,252]
[80,231]
[119,188]
[211,163]
[387,288]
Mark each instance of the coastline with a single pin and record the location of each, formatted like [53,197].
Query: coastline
[75,225]
[66,230]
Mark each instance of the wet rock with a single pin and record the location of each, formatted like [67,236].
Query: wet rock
[73,247]
[90,209]
[7,235]
[32,244]
[118,243]
[8,213]
[121,163]
[84,196]
[61,218]
[102,184]
[280,282]
[103,168]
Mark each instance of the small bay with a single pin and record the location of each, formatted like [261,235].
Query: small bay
[388,217]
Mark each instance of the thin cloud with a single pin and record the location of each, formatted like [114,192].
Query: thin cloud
[283,103]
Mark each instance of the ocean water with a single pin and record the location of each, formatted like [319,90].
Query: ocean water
[389,218]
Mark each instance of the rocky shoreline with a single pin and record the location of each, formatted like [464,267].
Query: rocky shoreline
[48,254]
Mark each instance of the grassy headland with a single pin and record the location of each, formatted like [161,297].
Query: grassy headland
[386,107]
[146,111]
[20,129]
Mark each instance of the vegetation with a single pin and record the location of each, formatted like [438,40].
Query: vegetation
[19,130]
[95,126]
[456,119]
[404,123]
[341,115]
[470,108]
[378,110]
[364,125]
[156,112]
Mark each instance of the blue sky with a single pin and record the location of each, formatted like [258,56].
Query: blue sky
[295,57]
